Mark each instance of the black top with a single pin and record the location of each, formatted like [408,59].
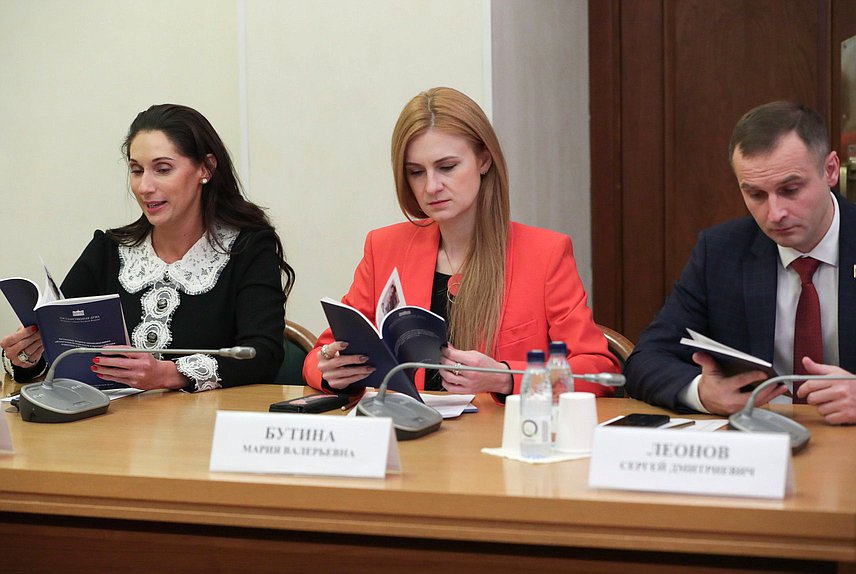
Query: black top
[246,305]
[439,305]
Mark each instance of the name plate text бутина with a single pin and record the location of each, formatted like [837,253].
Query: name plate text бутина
[321,445]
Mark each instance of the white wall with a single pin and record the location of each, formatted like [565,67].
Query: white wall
[74,75]
[304,93]
[324,82]
[541,113]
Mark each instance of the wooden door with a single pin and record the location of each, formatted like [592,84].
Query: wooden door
[669,79]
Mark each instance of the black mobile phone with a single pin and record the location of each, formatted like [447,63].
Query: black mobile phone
[640,420]
[317,403]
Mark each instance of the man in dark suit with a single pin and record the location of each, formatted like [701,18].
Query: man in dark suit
[743,286]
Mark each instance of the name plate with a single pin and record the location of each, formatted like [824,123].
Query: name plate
[5,434]
[718,463]
[303,444]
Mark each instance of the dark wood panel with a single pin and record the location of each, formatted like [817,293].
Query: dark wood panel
[605,113]
[724,58]
[686,71]
[85,546]
[843,26]
[642,171]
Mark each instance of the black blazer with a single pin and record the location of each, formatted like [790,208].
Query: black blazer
[727,291]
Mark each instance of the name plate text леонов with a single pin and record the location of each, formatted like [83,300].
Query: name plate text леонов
[717,463]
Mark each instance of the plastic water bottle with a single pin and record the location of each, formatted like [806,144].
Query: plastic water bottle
[559,373]
[536,403]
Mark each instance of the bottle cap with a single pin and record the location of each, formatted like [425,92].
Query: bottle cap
[558,348]
[535,356]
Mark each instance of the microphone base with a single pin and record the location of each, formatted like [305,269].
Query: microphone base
[410,418]
[68,400]
[762,420]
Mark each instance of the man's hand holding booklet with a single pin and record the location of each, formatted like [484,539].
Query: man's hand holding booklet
[731,361]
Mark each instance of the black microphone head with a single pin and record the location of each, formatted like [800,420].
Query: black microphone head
[410,417]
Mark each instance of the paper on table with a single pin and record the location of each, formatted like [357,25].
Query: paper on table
[709,425]
[120,393]
[448,405]
[555,456]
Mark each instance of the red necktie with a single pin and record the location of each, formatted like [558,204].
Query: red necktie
[808,336]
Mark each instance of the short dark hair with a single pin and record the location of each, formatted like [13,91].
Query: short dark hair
[760,129]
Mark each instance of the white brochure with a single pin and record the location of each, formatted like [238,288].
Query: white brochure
[392,297]
[322,445]
[5,435]
[718,463]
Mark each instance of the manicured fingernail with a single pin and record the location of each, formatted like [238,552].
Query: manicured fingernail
[96,360]
[35,329]
[364,358]
[344,344]
[93,368]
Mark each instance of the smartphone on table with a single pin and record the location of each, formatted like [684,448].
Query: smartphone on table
[316,403]
[640,420]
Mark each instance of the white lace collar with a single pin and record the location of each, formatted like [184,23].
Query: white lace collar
[195,273]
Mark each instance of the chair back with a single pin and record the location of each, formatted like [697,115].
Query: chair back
[297,341]
[620,346]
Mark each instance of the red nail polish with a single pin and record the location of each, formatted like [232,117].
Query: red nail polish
[35,329]
[96,360]
[93,367]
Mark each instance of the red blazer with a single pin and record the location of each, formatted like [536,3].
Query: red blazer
[544,297]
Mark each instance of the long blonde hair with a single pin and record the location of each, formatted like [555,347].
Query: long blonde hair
[475,315]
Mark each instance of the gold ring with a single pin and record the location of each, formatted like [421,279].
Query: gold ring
[324,352]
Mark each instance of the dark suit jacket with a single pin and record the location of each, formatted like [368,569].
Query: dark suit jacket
[727,291]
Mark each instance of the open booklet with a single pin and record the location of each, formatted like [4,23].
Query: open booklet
[403,334]
[731,361]
[68,323]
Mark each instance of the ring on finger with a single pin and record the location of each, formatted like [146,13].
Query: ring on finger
[457,372]
[324,353]
[25,358]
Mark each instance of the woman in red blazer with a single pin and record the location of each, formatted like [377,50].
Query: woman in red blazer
[504,287]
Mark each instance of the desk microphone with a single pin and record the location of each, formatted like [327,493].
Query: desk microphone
[64,400]
[748,419]
[412,419]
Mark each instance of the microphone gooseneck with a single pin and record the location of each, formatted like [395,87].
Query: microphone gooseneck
[412,419]
[239,353]
[606,379]
[64,400]
[748,419]
[750,402]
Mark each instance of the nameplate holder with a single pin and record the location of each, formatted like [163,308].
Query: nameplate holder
[5,435]
[303,444]
[716,464]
